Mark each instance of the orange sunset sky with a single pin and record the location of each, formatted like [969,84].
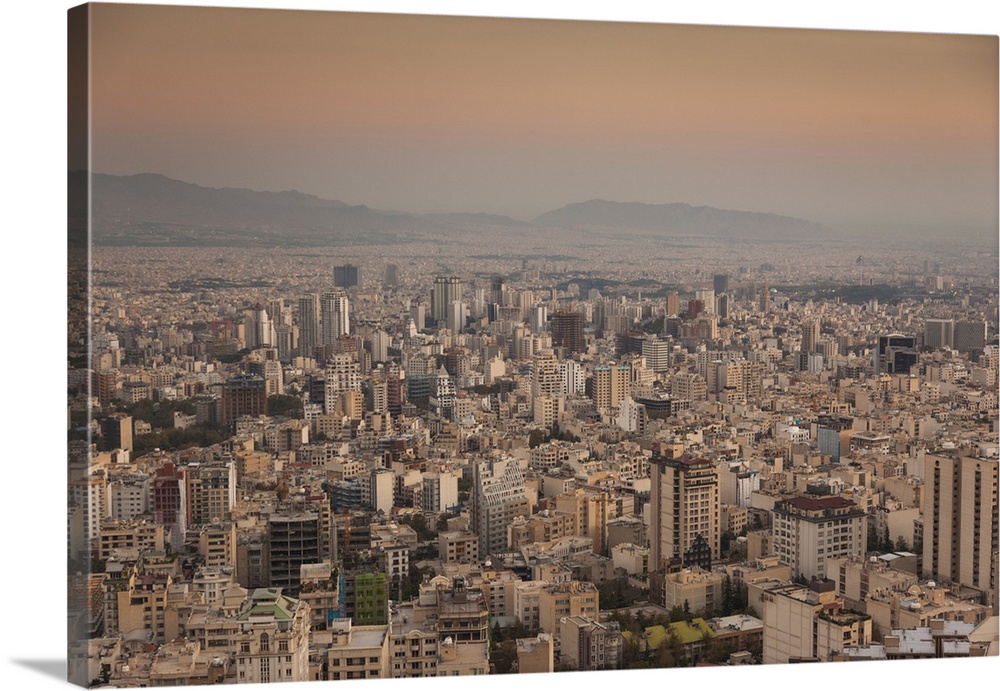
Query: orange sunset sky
[521,116]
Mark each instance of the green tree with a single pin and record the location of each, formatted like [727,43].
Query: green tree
[286,406]
[535,438]
[671,653]
[442,523]
[728,596]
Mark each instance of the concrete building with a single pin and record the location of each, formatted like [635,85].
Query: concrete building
[684,512]
[960,519]
[587,644]
[566,599]
[808,531]
[809,624]
[498,497]
[535,655]
[335,316]
[447,289]
[295,538]
[939,333]
[695,590]
[272,639]
[356,651]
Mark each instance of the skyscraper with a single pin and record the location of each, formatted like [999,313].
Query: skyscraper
[970,336]
[243,395]
[309,332]
[259,328]
[447,289]
[611,385]
[939,333]
[673,306]
[391,275]
[498,497]
[335,316]
[347,276]
[566,327]
[960,518]
[720,283]
[456,316]
[810,335]
[685,510]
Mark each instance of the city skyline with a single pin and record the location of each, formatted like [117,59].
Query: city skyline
[35,52]
[426,114]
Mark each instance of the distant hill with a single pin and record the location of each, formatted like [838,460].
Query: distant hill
[679,219]
[152,209]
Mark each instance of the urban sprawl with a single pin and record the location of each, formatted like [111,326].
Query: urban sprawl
[292,464]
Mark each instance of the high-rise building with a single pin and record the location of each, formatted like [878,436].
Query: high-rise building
[657,354]
[295,538]
[347,276]
[970,336]
[309,331]
[498,497]
[611,385]
[960,518]
[545,377]
[673,306]
[335,316]
[456,316]
[447,289]
[939,333]
[243,395]
[890,346]
[566,327]
[391,275]
[116,432]
[684,511]
[810,335]
[720,283]
[259,327]
[343,373]
[807,531]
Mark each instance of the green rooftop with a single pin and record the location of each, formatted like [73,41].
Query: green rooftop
[686,632]
[269,602]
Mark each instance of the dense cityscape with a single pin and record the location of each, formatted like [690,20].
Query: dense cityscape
[417,347]
[389,461]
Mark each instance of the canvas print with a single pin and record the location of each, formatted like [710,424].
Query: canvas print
[424,346]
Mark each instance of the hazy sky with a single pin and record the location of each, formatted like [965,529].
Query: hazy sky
[520,116]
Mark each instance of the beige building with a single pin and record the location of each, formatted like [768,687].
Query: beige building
[808,531]
[918,605]
[217,544]
[566,599]
[591,510]
[184,663]
[587,644]
[355,652]
[271,640]
[128,538]
[960,519]
[535,655]
[803,624]
[759,569]
[856,577]
[442,633]
[546,526]
[684,512]
[700,590]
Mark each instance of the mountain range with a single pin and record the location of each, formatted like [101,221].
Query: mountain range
[153,209]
